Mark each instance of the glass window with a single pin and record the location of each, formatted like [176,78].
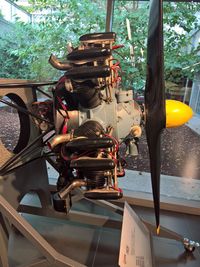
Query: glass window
[180,146]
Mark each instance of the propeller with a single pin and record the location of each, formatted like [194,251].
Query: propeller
[155,99]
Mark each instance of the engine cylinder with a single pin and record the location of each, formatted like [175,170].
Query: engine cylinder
[95,179]
[88,95]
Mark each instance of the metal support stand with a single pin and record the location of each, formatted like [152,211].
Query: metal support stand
[50,254]
[104,221]
[3,242]
[188,244]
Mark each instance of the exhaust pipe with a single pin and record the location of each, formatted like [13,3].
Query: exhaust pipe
[58,64]
[67,189]
[58,139]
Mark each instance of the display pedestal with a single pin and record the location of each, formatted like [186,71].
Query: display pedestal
[50,256]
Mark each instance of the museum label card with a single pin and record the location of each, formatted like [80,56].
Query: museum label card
[135,246]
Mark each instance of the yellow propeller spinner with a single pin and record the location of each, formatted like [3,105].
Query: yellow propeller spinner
[177,113]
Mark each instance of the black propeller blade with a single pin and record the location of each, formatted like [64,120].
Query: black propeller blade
[155,98]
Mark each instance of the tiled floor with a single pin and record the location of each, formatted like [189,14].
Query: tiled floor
[99,247]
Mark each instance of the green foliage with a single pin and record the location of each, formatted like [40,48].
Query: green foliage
[20,54]
[180,21]
[26,50]
[11,65]
[133,74]
[28,47]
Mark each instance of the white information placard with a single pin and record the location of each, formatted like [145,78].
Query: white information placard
[135,246]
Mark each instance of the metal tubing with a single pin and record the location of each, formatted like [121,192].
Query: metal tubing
[9,170]
[57,64]
[15,157]
[67,189]
[109,15]
[25,84]
[27,154]
[42,92]
[58,139]
[27,112]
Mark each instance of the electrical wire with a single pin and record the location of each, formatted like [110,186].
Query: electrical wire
[115,141]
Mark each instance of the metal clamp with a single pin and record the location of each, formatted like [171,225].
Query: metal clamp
[190,245]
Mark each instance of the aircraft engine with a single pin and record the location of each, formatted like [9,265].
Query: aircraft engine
[93,117]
